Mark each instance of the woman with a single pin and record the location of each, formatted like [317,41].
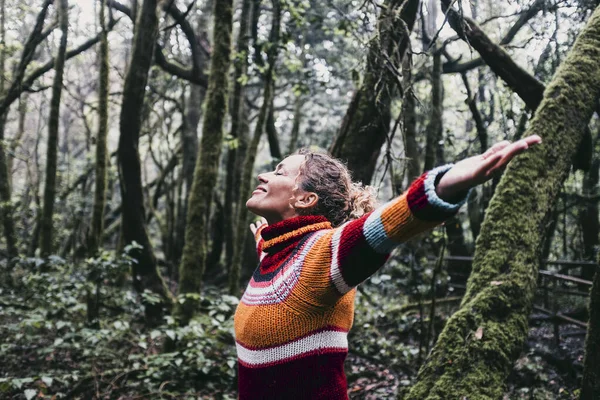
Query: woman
[323,239]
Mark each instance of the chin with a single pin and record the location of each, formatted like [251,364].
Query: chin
[253,207]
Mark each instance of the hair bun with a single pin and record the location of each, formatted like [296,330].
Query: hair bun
[362,199]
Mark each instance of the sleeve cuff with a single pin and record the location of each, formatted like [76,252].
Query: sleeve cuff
[423,201]
[430,183]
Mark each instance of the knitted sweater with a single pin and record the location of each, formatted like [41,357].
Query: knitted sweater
[292,322]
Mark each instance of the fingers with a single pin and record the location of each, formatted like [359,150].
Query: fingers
[508,152]
[256,225]
[495,149]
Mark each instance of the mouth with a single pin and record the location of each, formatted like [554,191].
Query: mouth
[260,189]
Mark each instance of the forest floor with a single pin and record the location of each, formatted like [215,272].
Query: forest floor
[543,370]
[49,351]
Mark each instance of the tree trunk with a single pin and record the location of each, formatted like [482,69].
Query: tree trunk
[588,217]
[435,127]
[274,147]
[193,261]
[46,233]
[248,168]
[367,120]
[590,383]
[240,67]
[97,224]
[146,276]
[477,348]
[189,149]
[295,125]
[409,115]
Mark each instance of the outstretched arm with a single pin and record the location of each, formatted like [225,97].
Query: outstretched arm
[360,247]
[475,170]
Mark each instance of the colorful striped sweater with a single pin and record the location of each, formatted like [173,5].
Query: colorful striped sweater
[292,322]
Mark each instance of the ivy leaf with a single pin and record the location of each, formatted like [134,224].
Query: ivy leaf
[30,394]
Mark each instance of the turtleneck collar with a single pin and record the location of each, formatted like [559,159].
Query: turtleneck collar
[282,233]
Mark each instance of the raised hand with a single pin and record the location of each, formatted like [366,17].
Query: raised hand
[255,226]
[475,170]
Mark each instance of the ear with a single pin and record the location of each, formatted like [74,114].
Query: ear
[304,201]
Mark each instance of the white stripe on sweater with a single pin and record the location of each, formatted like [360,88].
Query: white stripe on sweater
[335,273]
[326,340]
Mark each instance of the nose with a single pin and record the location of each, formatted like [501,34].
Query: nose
[262,178]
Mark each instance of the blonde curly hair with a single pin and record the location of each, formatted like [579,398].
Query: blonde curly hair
[340,199]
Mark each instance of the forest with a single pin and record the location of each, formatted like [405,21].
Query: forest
[132,133]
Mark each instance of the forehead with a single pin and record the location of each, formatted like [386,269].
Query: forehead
[292,162]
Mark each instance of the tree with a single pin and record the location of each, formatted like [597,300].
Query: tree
[97,224]
[479,343]
[146,276]
[193,261]
[367,120]
[51,160]
[248,168]
[238,131]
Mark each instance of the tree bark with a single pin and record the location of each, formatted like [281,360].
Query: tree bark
[295,125]
[248,168]
[189,140]
[590,383]
[480,342]
[409,115]
[193,261]
[435,128]
[46,233]
[146,276]
[97,224]
[237,133]
[367,121]
[272,136]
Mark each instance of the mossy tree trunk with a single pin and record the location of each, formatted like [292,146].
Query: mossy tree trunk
[475,351]
[97,224]
[248,168]
[46,233]
[193,261]
[590,384]
[237,133]
[189,150]
[367,121]
[146,276]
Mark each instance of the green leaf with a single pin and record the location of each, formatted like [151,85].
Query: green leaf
[30,394]
[154,334]
[47,380]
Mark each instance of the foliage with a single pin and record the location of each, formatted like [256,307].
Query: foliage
[49,349]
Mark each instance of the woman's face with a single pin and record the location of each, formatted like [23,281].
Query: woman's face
[276,191]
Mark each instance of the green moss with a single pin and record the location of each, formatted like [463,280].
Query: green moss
[472,365]
[193,262]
